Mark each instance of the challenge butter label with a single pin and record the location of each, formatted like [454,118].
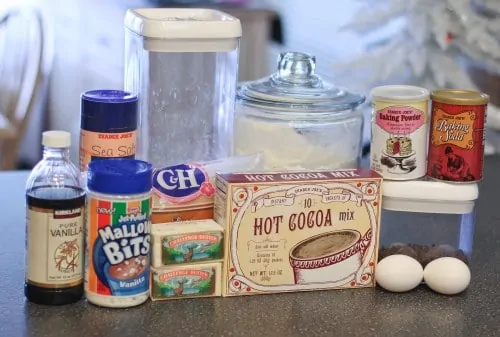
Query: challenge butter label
[192,247]
[189,281]
[186,242]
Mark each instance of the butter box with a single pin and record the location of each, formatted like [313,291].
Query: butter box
[186,242]
[186,281]
[298,231]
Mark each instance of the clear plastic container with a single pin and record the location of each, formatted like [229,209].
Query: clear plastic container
[297,120]
[427,219]
[183,64]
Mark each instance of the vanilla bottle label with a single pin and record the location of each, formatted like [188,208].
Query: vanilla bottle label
[55,242]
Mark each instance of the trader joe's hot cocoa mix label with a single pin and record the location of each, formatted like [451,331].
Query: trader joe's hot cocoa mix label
[298,231]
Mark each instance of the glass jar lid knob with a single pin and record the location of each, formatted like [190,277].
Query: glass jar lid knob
[296,68]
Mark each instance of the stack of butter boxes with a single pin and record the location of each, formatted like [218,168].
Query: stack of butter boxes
[186,259]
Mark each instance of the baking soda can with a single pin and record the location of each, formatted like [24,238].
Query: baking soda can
[456,138]
[399,131]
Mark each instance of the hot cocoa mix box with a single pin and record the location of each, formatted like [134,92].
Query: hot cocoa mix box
[298,231]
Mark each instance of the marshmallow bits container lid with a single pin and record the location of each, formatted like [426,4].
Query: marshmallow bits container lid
[120,176]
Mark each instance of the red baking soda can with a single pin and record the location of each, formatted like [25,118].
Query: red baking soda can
[456,139]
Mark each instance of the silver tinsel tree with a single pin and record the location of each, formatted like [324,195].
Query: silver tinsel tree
[427,50]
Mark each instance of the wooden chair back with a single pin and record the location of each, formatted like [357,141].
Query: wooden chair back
[21,64]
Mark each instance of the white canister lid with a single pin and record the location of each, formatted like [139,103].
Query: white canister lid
[400,93]
[194,24]
[429,196]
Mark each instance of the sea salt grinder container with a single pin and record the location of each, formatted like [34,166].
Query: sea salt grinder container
[183,63]
[108,126]
[427,219]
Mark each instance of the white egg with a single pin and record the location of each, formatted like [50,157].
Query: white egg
[447,275]
[399,273]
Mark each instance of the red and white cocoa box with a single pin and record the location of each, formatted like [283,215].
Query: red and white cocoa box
[298,231]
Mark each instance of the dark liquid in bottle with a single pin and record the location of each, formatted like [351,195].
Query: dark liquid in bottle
[54,199]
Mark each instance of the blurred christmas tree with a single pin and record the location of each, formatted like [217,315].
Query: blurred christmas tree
[428,50]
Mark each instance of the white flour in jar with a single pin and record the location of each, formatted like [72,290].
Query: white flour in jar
[299,146]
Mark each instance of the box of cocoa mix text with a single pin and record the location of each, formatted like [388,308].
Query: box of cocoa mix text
[298,231]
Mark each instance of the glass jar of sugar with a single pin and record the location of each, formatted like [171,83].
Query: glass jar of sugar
[297,120]
[427,220]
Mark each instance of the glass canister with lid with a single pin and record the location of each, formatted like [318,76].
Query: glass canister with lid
[297,120]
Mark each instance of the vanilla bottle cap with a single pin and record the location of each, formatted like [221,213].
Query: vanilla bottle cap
[58,139]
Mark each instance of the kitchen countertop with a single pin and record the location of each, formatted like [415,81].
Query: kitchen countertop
[361,312]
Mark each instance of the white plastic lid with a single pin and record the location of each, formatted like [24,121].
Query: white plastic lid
[429,190]
[182,23]
[58,139]
[429,196]
[400,93]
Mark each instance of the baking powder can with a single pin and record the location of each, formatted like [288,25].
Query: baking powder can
[118,227]
[399,131]
[456,138]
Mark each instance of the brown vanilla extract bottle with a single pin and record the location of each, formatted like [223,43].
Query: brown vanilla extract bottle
[55,209]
